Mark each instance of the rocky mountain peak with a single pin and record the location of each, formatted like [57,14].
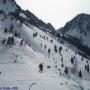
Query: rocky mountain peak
[80,22]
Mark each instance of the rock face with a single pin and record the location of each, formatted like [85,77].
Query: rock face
[37,22]
[79,28]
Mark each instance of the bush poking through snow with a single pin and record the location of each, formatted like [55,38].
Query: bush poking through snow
[49,50]
[87,67]
[72,60]
[11,28]
[40,67]
[35,34]
[21,43]
[10,41]
[4,1]
[5,30]
[55,49]
[80,74]
[60,49]
[51,41]
[15,34]
[66,70]
[45,46]
[48,67]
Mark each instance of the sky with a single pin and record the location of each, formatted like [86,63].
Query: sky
[57,12]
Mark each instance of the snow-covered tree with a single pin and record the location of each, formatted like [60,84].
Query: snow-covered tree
[41,67]
[80,74]
[10,41]
[4,1]
[87,67]
[60,49]
[5,30]
[45,46]
[66,70]
[49,50]
[55,49]
[72,60]
[21,43]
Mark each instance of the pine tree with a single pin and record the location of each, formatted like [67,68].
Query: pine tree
[72,60]
[21,43]
[5,30]
[62,65]
[41,67]
[49,51]
[10,41]
[62,59]
[87,67]
[51,41]
[60,48]
[11,28]
[55,49]
[66,70]
[80,74]
[4,1]
[45,46]
[15,34]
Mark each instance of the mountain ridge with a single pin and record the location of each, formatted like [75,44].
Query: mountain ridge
[78,27]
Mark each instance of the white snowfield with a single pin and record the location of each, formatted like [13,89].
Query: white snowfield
[19,64]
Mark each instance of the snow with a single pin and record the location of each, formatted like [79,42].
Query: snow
[9,6]
[19,63]
[84,38]
[23,15]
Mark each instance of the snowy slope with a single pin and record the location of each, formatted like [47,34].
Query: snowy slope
[8,6]
[19,64]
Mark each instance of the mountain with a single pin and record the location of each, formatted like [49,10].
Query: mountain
[79,27]
[37,22]
[77,32]
[32,58]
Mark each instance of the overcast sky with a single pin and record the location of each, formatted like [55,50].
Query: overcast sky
[58,12]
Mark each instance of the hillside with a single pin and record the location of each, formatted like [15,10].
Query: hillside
[24,47]
[79,27]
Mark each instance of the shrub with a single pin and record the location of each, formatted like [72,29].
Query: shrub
[55,49]
[51,41]
[15,34]
[11,28]
[10,41]
[66,70]
[45,46]
[21,43]
[60,48]
[87,67]
[48,67]
[80,74]
[41,67]
[5,30]
[34,34]
[4,1]
[49,50]
[72,60]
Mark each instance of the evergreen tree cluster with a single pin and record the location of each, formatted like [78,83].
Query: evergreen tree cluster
[10,41]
